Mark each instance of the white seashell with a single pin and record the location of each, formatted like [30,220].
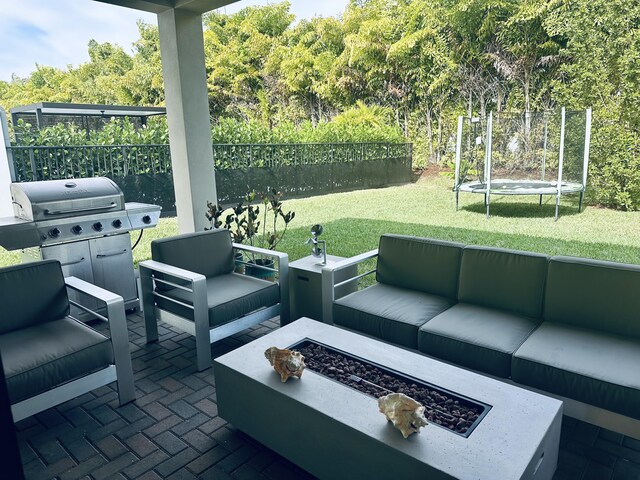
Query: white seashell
[406,414]
[288,363]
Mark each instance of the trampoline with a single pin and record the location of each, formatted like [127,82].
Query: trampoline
[544,154]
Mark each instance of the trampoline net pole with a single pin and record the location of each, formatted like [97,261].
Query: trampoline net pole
[560,161]
[456,183]
[487,162]
[544,146]
[587,141]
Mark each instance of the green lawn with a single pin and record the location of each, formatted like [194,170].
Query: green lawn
[354,221]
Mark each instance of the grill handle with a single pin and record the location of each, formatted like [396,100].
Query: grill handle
[73,262]
[103,255]
[78,210]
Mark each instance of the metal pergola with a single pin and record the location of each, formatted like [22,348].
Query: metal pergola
[49,113]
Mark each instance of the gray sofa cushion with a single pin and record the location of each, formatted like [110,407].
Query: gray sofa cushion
[476,337]
[20,306]
[40,357]
[504,279]
[422,264]
[208,253]
[388,312]
[604,296]
[229,297]
[583,364]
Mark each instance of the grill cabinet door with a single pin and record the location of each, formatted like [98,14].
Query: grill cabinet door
[113,265]
[75,259]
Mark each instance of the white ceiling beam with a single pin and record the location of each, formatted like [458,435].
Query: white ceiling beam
[159,6]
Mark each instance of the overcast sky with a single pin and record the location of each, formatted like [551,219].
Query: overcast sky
[56,32]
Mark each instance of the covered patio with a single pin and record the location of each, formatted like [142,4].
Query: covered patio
[173,431]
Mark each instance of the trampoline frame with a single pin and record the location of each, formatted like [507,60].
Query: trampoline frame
[556,187]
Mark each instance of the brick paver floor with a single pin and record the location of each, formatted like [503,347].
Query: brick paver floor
[173,431]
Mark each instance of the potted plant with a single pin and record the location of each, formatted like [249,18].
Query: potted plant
[261,223]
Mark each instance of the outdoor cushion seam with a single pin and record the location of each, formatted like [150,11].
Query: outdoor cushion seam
[582,376]
[395,319]
[56,359]
[465,342]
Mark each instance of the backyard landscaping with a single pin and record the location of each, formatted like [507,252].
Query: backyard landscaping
[354,221]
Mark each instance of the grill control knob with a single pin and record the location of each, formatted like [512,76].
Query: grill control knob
[54,232]
[146,219]
[117,223]
[77,229]
[98,226]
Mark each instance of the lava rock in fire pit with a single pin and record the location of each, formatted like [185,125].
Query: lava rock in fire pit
[441,408]
[288,363]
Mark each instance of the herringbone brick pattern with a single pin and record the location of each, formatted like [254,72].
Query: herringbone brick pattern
[173,431]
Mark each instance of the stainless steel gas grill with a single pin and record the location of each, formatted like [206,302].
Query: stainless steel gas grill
[85,224]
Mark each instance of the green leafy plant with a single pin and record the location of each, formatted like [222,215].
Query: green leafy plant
[259,223]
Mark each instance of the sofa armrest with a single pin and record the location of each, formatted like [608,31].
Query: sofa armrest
[283,275]
[329,285]
[118,331]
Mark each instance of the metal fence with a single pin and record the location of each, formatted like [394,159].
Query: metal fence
[33,163]
[144,171]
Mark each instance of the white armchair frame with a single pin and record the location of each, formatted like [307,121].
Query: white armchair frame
[121,372]
[197,289]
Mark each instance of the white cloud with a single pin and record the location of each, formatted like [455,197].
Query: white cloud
[56,33]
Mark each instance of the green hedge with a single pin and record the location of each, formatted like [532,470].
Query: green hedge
[224,131]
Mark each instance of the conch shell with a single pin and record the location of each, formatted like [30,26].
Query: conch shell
[406,414]
[288,363]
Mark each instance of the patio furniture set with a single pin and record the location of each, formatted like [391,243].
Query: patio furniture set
[564,326]
[559,326]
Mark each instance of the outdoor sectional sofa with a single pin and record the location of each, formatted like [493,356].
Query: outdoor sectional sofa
[564,326]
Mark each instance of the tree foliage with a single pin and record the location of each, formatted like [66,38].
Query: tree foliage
[409,66]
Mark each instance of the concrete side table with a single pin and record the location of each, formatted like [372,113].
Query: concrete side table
[305,285]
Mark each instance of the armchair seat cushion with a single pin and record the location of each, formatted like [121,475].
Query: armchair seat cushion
[582,364]
[388,312]
[480,338]
[229,297]
[44,356]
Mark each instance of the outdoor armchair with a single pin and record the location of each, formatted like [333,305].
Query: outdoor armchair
[190,284]
[50,357]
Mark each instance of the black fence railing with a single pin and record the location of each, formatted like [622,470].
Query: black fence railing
[144,171]
[32,163]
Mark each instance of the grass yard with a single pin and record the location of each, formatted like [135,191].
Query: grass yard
[354,221]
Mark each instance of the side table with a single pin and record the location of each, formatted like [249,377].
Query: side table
[305,285]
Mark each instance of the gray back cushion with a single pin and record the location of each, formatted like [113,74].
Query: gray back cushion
[422,264]
[504,279]
[32,293]
[208,253]
[594,294]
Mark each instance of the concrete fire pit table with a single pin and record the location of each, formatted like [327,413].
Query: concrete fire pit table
[334,431]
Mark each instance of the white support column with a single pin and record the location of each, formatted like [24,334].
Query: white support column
[185,84]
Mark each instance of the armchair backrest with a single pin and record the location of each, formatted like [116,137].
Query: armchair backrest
[208,253]
[31,294]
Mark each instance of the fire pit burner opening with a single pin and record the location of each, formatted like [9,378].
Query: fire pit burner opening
[443,407]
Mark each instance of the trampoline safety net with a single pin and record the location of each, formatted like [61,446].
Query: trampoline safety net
[539,153]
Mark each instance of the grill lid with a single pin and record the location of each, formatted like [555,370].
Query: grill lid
[51,199]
